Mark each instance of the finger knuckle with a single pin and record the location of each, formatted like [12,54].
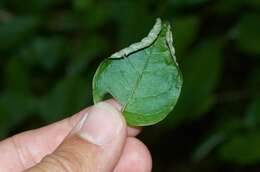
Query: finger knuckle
[66,161]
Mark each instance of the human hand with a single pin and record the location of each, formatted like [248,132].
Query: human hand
[96,139]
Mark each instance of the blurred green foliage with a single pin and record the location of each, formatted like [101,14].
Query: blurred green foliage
[50,49]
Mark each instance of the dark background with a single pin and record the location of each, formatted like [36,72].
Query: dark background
[50,49]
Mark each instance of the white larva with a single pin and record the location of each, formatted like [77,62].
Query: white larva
[169,41]
[145,42]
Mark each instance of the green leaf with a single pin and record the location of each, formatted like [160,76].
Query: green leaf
[253,114]
[147,81]
[253,3]
[82,4]
[181,3]
[128,30]
[248,34]
[64,99]
[95,17]
[46,52]
[34,6]
[86,53]
[224,129]
[16,76]
[185,31]
[18,106]
[242,148]
[16,30]
[16,100]
[253,81]
[4,124]
[227,7]
[63,23]
[206,147]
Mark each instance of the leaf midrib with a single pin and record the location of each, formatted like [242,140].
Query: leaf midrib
[138,80]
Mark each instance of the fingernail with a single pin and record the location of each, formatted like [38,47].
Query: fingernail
[100,125]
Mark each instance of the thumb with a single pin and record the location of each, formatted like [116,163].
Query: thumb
[94,144]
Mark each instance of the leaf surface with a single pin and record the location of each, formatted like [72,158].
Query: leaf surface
[242,149]
[147,81]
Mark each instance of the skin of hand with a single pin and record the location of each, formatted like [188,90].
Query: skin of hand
[97,139]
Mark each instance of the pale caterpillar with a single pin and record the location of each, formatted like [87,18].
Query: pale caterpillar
[169,41]
[145,42]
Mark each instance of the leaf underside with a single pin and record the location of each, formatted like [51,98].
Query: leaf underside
[146,82]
